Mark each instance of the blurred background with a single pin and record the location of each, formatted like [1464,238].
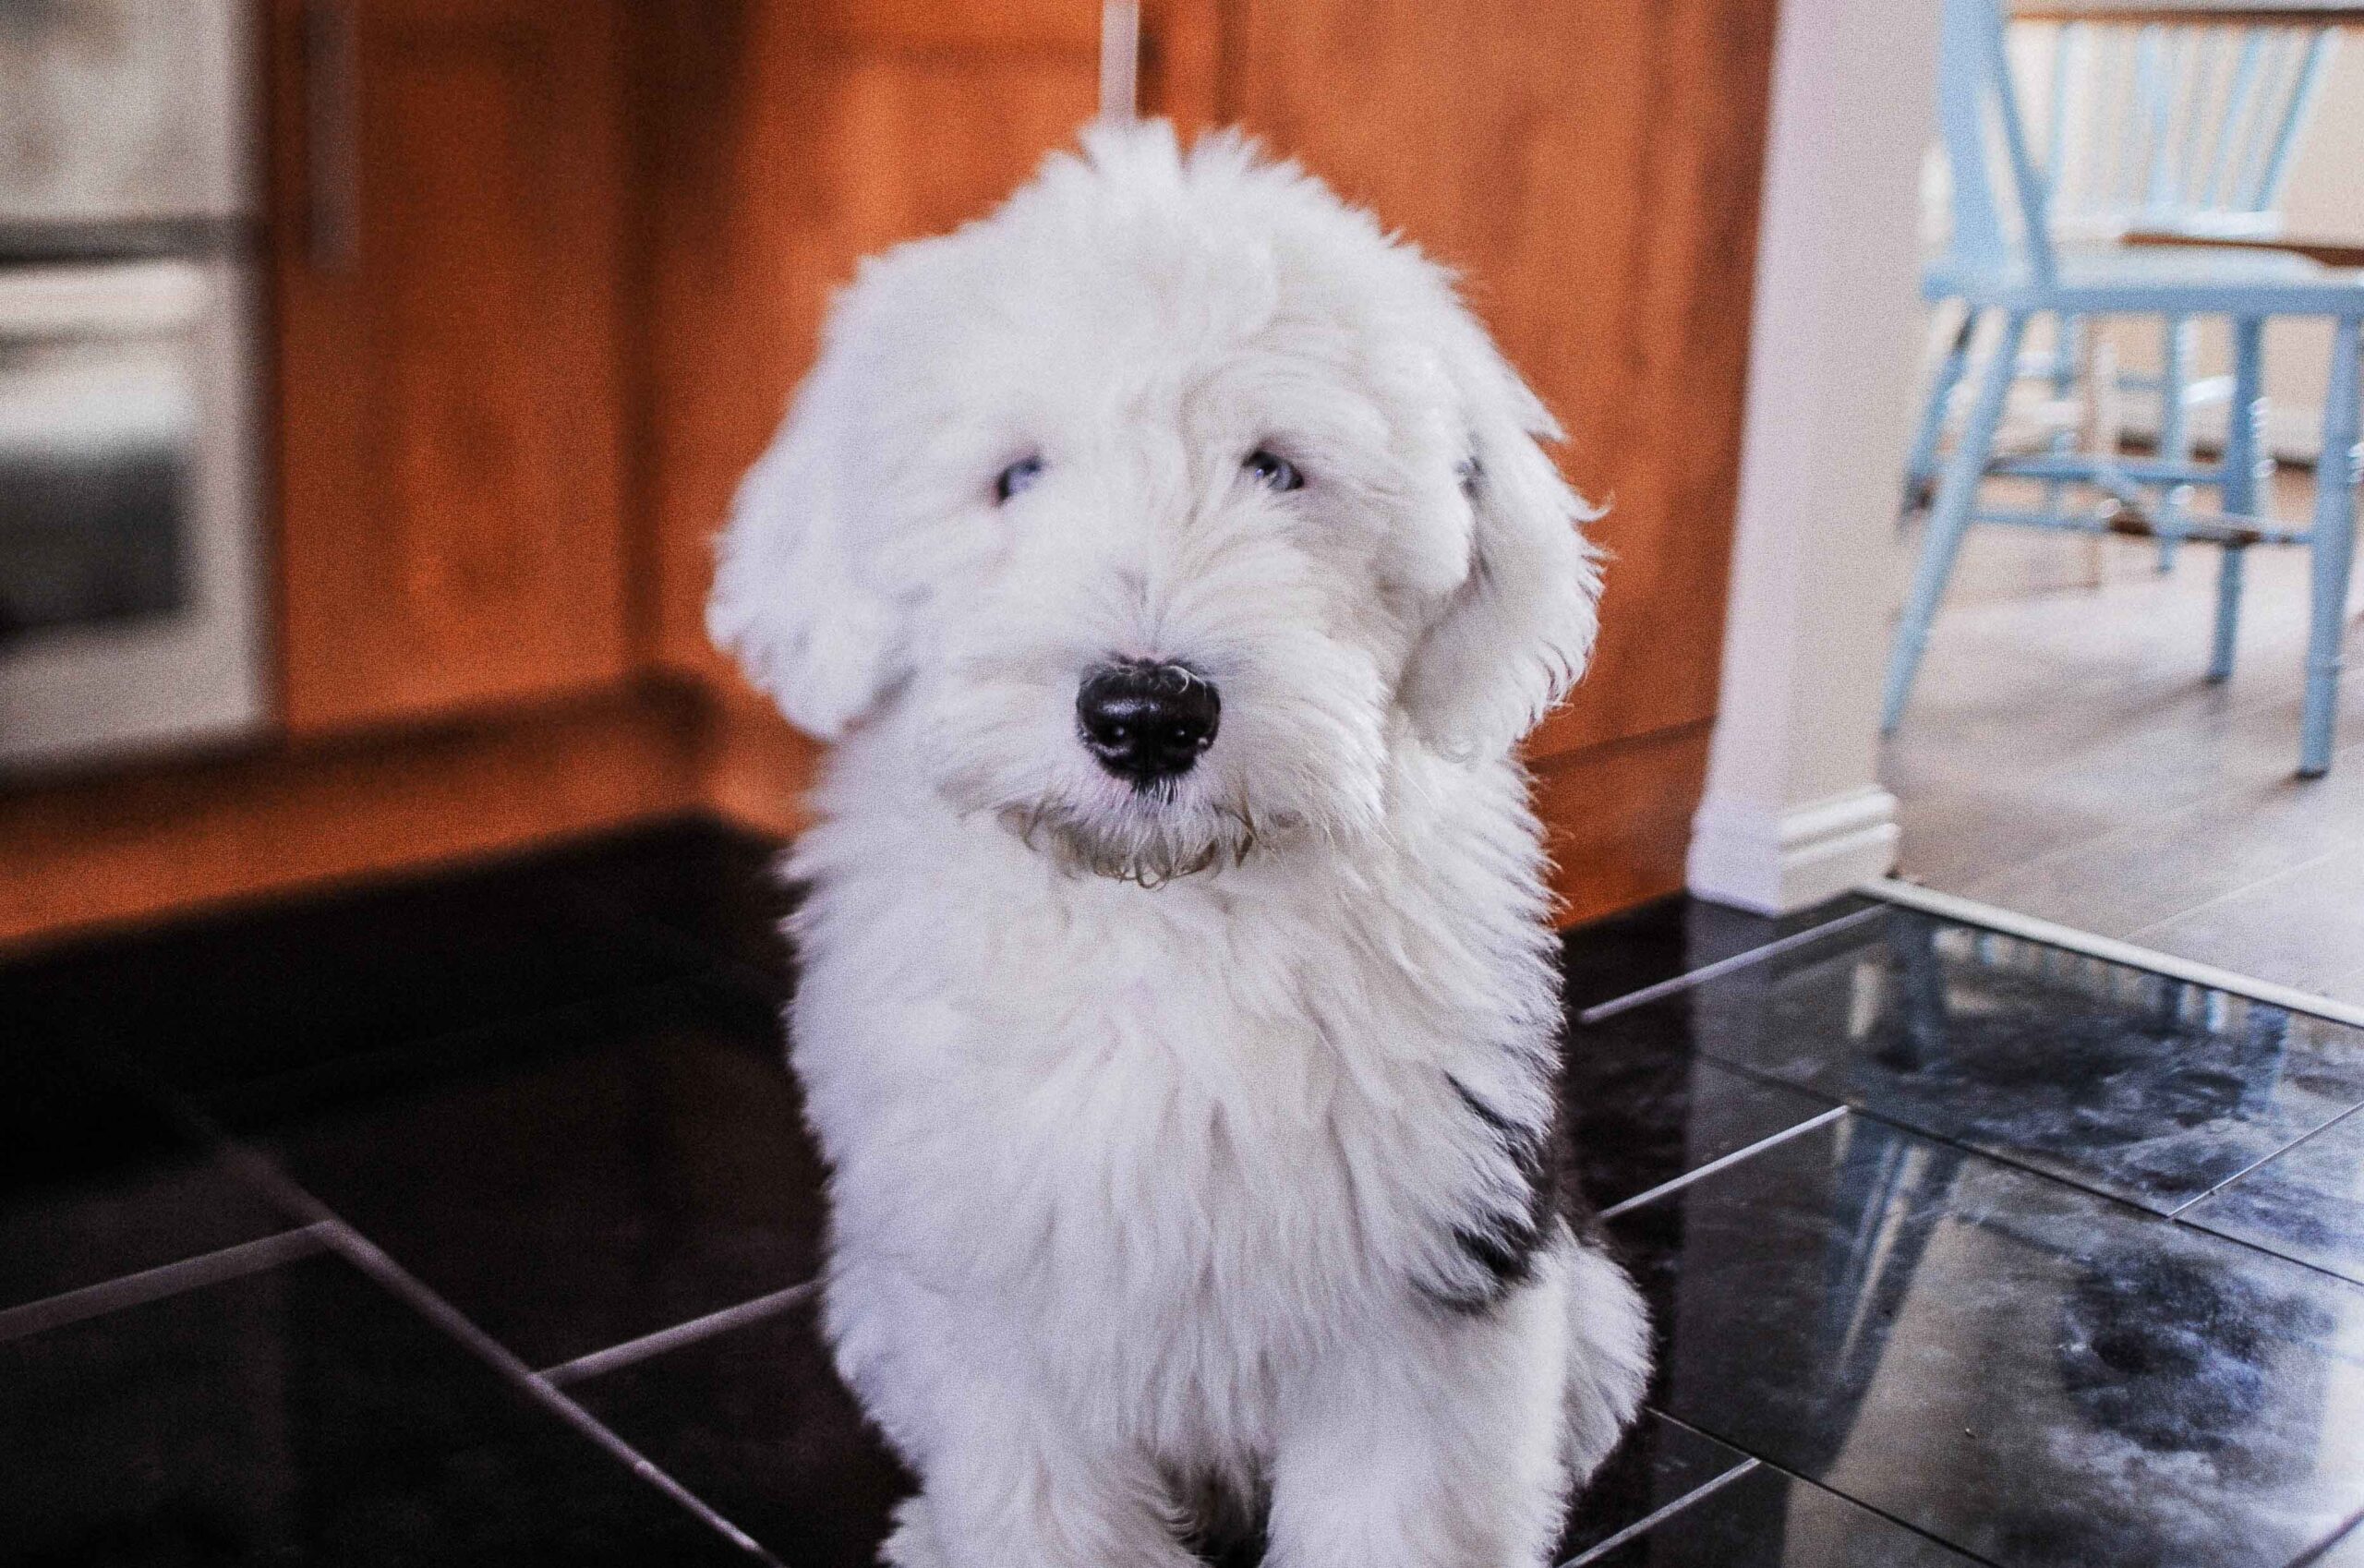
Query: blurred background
[374,373]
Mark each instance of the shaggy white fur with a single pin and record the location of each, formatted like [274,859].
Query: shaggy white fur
[1192,1140]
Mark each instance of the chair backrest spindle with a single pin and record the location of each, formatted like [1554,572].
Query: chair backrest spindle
[2174,126]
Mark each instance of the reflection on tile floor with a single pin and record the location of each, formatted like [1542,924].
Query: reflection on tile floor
[2306,1202]
[2149,1088]
[2027,1371]
[1660,1464]
[1671,937]
[1764,1519]
[2063,1287]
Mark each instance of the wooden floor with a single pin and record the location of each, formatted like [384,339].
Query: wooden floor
[2063,758]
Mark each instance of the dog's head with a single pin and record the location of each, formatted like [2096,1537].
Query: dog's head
[1157,508]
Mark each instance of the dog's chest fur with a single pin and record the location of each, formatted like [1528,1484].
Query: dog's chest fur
[1175,1142]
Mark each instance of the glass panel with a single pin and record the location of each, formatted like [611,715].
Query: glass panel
[97,439]
[120,110]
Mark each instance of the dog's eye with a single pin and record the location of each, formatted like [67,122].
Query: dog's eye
[1272,473]
[1018,477]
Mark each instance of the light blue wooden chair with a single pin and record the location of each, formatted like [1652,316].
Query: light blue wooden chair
[2182,131]
[2004,259]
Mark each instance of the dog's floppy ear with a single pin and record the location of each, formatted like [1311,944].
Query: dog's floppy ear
[787,597]
[1514,637]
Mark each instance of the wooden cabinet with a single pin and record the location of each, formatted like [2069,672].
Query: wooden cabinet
[449,188]
[1593,169]
[784,142]
[545,273]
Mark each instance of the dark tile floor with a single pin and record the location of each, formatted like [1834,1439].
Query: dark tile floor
[471,1221]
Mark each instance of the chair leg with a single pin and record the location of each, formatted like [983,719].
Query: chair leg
[2229,578]
[1921,461]
[2175,348]
[2068,355]
[1948,520]
[2238,483]
[2332,539]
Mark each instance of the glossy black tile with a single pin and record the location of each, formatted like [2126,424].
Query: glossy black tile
[96,1181]
[1642,1111]
[1767,1519]
[2033,1374]
[754,1422]
[206,1004]
[2134,1084]
[1658,1463]
[589,1178]
[301,1415]
[2306,1202]
[1604,959]
[701,887]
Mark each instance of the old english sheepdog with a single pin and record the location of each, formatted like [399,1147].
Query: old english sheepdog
[1171,558]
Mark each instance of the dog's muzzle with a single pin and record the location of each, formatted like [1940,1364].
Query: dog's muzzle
[1146,722]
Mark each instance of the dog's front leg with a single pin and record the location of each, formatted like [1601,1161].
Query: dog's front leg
[1440,1447]
[1011,1487]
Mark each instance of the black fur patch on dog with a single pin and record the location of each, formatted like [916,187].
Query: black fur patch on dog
[1503,1240]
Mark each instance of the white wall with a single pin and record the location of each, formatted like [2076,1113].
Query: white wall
[1793,813]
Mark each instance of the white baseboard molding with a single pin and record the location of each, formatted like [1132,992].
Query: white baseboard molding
[1774,862]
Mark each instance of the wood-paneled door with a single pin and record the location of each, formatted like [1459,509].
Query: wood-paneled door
[783,140]
[1593,167]
[447,226]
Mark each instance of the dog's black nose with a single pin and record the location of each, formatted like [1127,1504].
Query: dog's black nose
[1147,722]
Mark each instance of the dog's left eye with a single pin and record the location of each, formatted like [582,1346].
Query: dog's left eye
[1274,472]
[1018,477]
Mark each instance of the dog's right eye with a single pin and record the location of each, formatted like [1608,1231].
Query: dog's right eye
[1018,477]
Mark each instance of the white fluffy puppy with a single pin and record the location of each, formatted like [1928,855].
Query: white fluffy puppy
[1173,561]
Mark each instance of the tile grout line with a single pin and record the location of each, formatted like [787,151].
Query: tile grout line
[217,1267]
[2264,1160]
[1803,1479]
[2194,1227]
[2321,1549]
[1658,1516]
[1970,912]
[365,1255]
[616,1357]
[2345,846]
[2208,803]
[1721,1161]
[1689,978]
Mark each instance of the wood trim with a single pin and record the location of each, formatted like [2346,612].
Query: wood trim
[92,852]
[1617,818]
[88,853]
[2330,253]
[754,768]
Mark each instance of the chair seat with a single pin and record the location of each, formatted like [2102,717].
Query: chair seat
[2178,280]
